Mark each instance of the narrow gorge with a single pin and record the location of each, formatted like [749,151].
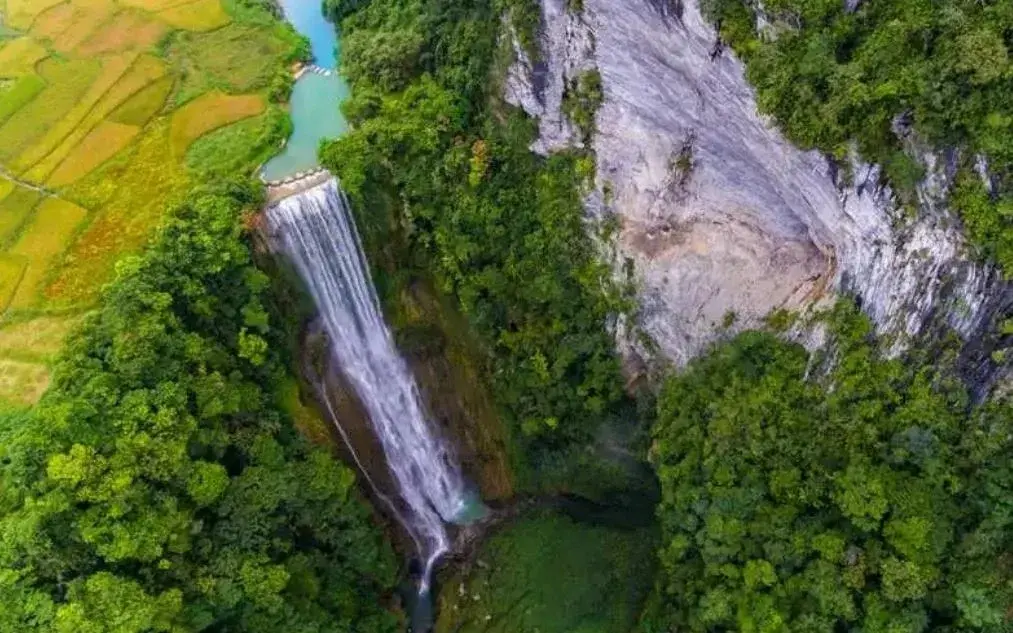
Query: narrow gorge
[721,227]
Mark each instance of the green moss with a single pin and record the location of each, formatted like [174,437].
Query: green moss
[583,96]
[548,573]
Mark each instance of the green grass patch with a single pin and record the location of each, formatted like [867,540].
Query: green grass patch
[547,573]
[18,93]
[238,148]
[145,104]
[234,59]
[22,383]
[15,208]
[11,270]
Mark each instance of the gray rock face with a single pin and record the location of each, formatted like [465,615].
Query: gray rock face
[721,214]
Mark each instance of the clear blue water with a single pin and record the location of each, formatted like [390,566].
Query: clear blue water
[307,16]
[316,99]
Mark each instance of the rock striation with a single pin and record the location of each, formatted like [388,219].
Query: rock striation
[724,219]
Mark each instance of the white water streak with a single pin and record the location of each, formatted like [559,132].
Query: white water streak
[316,231]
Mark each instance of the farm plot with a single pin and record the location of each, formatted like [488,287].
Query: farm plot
[128,31]
[36,339]
[202,15]
[17,93]
[210,112]
[143,106]
[233,59]
[19,56]
[66,83]
[22,382]
[54,224]
[100,101]
[15,208]
[67,25]
[101,144]
[113,68]
[144,71]
[21,13]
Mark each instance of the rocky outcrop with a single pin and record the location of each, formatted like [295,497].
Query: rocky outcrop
[724,219]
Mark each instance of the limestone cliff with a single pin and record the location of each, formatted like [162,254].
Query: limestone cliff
[722,215]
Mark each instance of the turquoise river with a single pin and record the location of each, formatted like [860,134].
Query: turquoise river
[317,95]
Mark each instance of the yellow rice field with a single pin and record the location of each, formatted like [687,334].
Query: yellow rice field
[210,112]
[66,26]
[21,13]
[143,71]
[113,68]
[67,82]
[202,15]
[128,31]
[20,56]
[101,144]
[36,339]
[45,239]
[154,5]
[99,101]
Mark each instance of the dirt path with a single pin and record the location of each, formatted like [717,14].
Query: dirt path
[6,175]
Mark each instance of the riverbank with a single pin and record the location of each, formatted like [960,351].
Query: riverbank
[316,98]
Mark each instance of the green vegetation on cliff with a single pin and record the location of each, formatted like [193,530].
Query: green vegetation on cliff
[159,487]
[846,493]
[831,76]
[443,183]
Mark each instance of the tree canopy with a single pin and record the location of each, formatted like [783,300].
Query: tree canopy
[852,493]
[158,486]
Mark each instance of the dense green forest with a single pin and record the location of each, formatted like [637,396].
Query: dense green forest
[159,487]
[443,183]
[847,492]
[831,76]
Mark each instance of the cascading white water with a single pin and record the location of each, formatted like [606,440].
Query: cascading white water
[315,229]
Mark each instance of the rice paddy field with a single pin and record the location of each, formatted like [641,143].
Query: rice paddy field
[105,108]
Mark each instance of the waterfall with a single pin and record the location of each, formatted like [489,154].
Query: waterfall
[316,231]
